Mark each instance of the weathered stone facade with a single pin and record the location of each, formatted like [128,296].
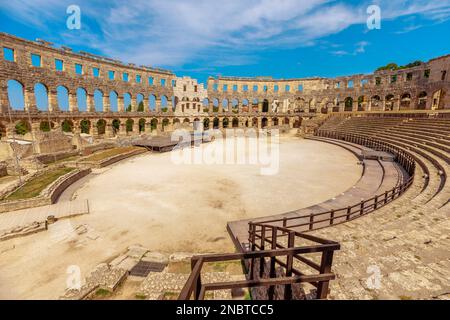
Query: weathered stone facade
[227,102]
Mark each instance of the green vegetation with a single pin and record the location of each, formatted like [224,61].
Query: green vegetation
[393,66]
[22,128]
[129,125]
[102,293]
[141,125]
[128,108]
[67,126]
[35,186]
[85,126]
[109,153]
[140,296]
[44,126]
[141,107]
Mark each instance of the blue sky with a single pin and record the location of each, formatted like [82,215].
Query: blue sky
[283,39]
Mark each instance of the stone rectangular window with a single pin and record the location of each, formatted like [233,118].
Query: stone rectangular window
[350,84]
[125,77]
[300,87]
[215,87]
[174,83]
[235,87]
[443,75]
[111,75]
[35,60]
[150,80]
[287,88]
[59,65]
[265,88]
[163,82]
[276,88]
[255,88]
[426,73]
[225,88]
[377,81]
[96,72]
[245,88]
[138,78]
[184,88]
[338,84]
[409,76]
[195,88]
[78,68]
[8,54]
[364,82]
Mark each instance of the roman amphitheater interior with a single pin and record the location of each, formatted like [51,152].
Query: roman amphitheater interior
[93,207]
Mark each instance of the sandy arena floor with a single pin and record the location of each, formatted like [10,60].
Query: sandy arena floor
[171,208]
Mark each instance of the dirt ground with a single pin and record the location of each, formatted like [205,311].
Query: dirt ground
[151,201]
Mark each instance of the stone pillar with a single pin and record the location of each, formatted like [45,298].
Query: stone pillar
[169,107]
[146,105]
[52,101]
[220,107]
[120,105]
[109,132]
[133,105]
[123,127]
[159,127]
[4,101]
[106,106]
[73,106]
[90,107]
[259,121]
[76,127]
[158,105]
[260,107]
[136,126]
[30,99]
[397,103]
[148,127]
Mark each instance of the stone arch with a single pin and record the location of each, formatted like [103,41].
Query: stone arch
[405,101]
[361,103]
[127,101]
[389,102]
[129,125]
[115,126]
[101,126]
[225,123]
[62,94]
[265,106]
[348,104]
[141,124]
[206,123]
[46,126]
[215,123]
[22,127]
[153,124]
[422,100]
[164,105]
[255,122]
[152,102]
[375,102]
[264,122]
[41,96]
[140,102]
[16,94]
[98,100]
[113,101]
[67,125]
[235,122]
[81,99]
[275,121]
[225,104]
[85,126]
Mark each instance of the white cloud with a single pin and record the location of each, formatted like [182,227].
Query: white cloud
[176,32]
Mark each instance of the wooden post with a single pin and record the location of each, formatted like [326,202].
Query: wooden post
[272,263]
[262,260]
[325,267]
[289,265]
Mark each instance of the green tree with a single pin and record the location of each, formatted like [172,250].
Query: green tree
[66,126]
[22,128]
[141,107]
[128,108]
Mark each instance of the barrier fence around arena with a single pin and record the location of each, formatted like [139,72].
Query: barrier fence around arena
[332,217]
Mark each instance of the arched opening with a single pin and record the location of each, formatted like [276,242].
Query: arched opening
[275,121]
[216,123]
[225,123]
[127,101]
[116,126]
[41,96]
[235,123]
[375,103]
[141,125]
[348,104]
[286,121]
[129,125]
[405,101]
[255,122]
[85,126]
[206,123]
[46,126]
[361,101]
[16,95]
[101,126]
[225,104]
[164,104]
[153,124]
[422,101]
[206,105]
[62,94]
[152,103]
[235,106]
[265,106]
[22,127]
[389,102]
[98,100]
[67,126]
[81,99]
[245,105]
[113,101]
[140,102]
[264,122]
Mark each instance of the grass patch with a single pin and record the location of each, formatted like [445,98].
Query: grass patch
[102,155]
[140,296]
[102,293]
[35,186]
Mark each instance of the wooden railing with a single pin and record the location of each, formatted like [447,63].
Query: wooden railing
[269,264]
